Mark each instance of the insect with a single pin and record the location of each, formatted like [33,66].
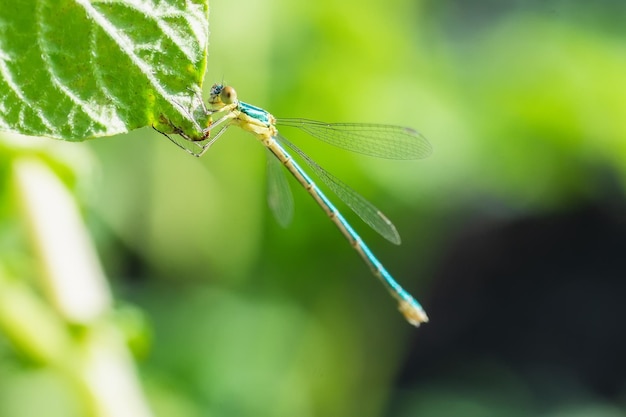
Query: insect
[385,141]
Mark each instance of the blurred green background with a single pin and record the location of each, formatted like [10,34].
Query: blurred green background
[513,231]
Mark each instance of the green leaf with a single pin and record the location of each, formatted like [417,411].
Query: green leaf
[77,69]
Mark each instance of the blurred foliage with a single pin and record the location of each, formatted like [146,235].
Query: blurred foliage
[523,103]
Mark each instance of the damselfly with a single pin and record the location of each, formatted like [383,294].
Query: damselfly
[385,141]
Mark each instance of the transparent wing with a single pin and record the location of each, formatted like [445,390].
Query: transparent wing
[363,208]
[382,141]
[279,197]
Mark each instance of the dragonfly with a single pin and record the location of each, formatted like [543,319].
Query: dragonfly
[379,140]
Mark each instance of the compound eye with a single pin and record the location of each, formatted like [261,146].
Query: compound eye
[228,95]
[215,90]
